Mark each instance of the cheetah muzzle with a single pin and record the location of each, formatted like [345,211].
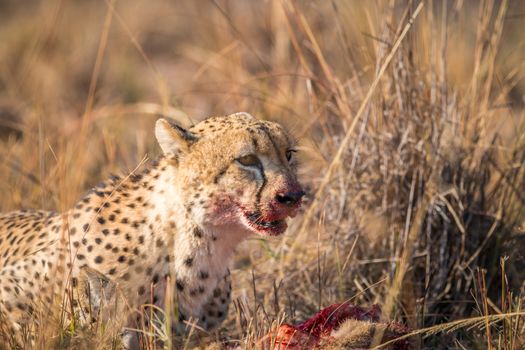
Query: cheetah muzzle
[174,224]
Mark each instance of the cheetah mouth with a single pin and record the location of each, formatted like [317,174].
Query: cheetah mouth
[265,227]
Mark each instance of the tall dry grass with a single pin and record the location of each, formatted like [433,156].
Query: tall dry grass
[412,127]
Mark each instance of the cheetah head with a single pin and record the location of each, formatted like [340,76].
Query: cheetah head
[235,173]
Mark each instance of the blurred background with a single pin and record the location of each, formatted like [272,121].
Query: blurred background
[414,172]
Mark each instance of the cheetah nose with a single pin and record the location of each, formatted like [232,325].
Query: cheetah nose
[289,198]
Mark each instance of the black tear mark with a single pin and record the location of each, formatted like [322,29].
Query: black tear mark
[258,194]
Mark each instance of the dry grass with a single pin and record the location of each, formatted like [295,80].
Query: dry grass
[412,127]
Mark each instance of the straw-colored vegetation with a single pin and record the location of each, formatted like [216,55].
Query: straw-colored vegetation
[412,127]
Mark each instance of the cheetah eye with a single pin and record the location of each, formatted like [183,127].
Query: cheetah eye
[289,154]
[249,160]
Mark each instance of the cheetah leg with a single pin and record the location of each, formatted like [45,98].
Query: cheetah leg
[216,309]
[213,313]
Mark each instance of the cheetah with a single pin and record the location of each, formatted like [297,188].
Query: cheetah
[175,224]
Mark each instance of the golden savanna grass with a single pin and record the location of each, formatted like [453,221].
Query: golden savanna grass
[412,129]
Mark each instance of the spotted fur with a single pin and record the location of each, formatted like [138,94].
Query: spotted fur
[175,223]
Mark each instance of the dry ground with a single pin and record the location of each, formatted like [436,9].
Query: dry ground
[412,127]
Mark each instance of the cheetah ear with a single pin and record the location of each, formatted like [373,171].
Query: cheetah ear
[173,138]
